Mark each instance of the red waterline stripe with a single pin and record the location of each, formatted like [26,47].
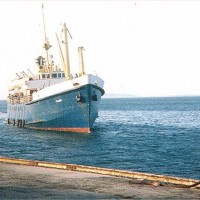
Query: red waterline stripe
[74,130]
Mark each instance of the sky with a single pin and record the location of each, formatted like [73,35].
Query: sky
[142,48]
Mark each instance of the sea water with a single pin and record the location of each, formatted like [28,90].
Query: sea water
[154,135]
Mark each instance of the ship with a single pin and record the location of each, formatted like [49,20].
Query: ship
[52,98]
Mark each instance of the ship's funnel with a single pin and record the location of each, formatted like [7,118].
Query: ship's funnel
[81,61]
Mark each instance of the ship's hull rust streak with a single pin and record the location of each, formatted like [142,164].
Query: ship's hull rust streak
[112,172]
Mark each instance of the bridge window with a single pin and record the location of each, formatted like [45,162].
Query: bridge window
[54,75]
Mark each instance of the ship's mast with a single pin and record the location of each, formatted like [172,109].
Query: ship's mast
[67,64]
[46,46]
[81,62]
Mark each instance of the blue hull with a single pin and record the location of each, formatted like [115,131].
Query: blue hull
[73,111]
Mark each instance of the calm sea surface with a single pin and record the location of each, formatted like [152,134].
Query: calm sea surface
[156,135]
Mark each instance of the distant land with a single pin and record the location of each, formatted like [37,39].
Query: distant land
[114,95]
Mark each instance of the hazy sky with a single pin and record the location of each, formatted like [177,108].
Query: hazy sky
[145,48]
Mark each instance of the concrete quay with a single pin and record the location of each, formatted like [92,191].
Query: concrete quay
[25,179]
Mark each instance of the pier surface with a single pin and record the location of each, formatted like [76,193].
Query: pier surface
[30,182]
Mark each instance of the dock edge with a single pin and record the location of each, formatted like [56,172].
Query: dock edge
[187,183]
